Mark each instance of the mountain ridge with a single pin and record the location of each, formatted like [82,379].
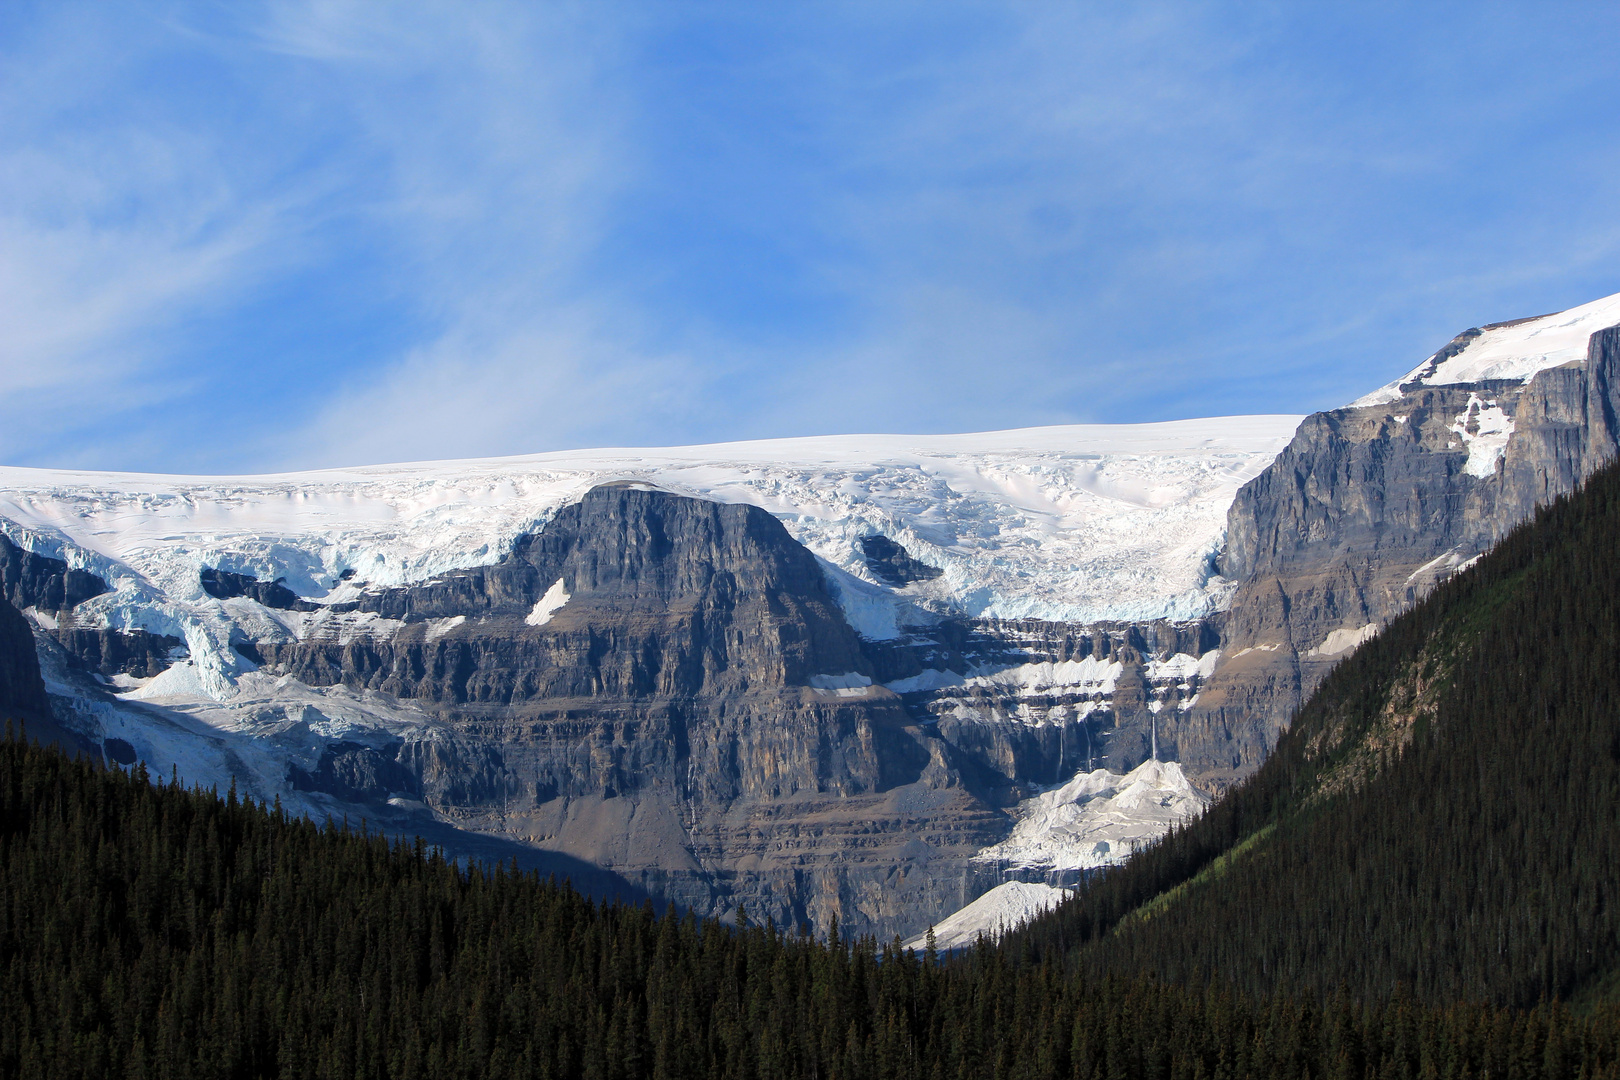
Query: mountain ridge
[1442,815]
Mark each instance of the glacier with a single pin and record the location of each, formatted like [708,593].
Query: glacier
[1078,523]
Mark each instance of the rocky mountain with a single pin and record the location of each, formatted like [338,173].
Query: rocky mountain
[1439,821]
[829,708]
[822,677]
[1369,506]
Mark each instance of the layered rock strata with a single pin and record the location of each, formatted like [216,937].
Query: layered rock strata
[662,686]
[665,687]
[51,590]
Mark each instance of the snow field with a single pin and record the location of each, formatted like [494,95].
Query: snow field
[1510,351]
[1005,907]
[1098,818]
[1081,523]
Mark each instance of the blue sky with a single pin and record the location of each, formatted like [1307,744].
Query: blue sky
[251,236]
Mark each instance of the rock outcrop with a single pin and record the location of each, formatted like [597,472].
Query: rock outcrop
[226,585]
[22,693]
[51,589]
[24,704]
[1366,510]
[662,686]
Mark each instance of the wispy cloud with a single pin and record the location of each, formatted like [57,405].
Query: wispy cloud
[112,234]
[310,232]
[500,153]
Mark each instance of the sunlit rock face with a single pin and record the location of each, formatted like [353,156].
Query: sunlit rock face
[1371,505]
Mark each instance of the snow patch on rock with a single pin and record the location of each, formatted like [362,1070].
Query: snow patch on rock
[1091,676]
[1343,640]
[548,605]
[1485,429]
[849,684]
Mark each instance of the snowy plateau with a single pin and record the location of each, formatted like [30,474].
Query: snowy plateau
[1079,523]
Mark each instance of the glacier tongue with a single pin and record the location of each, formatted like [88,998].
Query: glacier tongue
[1098,818]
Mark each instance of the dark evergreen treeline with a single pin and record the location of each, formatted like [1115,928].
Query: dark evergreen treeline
[1445,810]
[147,931]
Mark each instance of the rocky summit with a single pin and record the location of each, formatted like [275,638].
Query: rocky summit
[1371,505]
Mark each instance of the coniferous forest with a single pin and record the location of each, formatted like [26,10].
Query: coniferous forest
[1420,882]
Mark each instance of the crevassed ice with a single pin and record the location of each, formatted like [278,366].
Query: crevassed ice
[1082,522]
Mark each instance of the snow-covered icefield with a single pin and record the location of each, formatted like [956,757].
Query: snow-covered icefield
[1078,522]
[1065,523]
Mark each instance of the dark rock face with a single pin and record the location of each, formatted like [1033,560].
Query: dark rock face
[225,585]
[113,652]
[23,699]
[356,773]
[54,589]
[120,751]
[1363,513]
[665,687]
[45,584]
[22,692]
[893,564]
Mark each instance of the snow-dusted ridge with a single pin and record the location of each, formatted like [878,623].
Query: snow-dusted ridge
[1512,351]
[1082,522]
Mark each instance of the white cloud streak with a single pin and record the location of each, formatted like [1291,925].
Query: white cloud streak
[500,228]
[502,153]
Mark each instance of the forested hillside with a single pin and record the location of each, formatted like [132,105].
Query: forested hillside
[1444,814]
[151,931]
